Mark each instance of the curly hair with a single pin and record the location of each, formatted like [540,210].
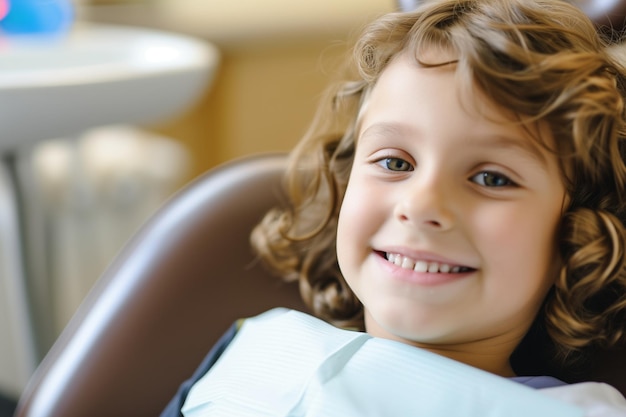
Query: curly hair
[538,58]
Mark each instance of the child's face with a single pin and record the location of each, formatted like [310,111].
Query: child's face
[447,230]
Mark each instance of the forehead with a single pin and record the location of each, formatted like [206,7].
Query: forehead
[416,90]
[428,83]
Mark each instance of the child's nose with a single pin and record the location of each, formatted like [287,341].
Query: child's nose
[426,203]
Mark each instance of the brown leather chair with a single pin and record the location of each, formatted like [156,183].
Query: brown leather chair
[168,296]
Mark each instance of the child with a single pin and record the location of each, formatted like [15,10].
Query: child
[463,194]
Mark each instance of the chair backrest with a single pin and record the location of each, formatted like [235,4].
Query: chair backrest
[168,296]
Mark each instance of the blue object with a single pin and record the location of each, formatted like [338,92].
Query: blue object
[37,16]
[4,8]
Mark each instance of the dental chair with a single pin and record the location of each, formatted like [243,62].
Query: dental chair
[178,285]
[165,300]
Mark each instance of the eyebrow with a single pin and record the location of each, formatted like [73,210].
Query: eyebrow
[526,144]
[385,129]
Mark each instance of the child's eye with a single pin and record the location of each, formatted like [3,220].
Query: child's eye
[492,179]
[395,164]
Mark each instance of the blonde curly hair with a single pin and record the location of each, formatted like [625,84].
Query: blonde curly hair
[538,58]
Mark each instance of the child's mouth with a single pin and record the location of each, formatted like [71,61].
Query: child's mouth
[425,266]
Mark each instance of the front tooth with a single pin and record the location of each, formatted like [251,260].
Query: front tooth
[407,263]
[421,266]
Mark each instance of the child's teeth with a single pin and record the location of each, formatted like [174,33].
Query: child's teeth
[422,266]
[407,263]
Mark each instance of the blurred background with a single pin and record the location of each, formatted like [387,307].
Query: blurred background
[84,194]
[276,58]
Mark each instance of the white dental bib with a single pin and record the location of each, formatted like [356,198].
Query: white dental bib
[284,363]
